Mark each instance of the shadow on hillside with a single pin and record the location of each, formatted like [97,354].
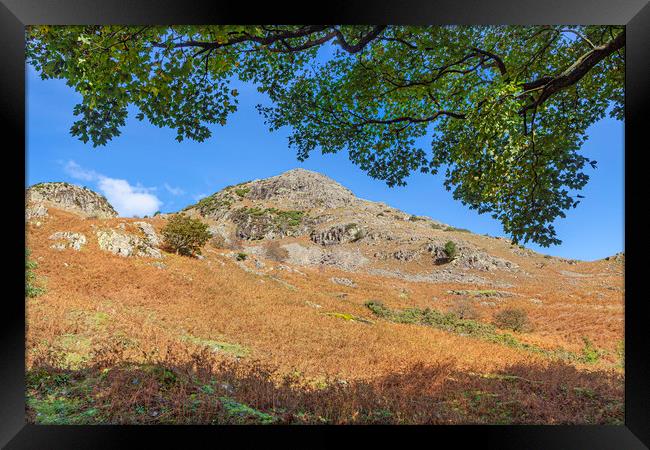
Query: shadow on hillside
[204,391]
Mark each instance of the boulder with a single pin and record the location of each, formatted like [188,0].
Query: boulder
[149,232]
[343,282]
[68,239]
[125,244]
[36,210]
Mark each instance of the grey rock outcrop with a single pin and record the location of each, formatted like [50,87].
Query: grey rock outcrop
[268,223]
[35,211]
[149,232]
[343,282]
[302,189]
[314,256]
[125,244]
[338,234]
[68,239]
[70,197]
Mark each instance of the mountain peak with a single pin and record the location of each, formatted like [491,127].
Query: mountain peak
[301,189]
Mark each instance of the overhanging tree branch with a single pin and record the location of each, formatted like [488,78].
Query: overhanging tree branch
[283,38]
[550,85]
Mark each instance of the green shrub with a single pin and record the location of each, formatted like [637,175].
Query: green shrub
[31,290]
[358,235]
[184,235]
[590,354]
[512,319]
[462,230]
[157,213]
[241,256]
[451,250]
[242,192]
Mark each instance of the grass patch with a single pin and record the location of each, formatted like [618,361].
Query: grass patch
[99,319]
[61,410]
[590,354]
[55,398]
[31,288]
[244,413]
[450,322]
[290,218]
[348,317]
[267,219]
[75,349]
[219,346]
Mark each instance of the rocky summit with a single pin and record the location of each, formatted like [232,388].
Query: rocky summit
[68,197]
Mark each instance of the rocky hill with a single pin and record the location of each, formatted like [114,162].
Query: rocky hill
[68,197]
[303,218]
[317,221]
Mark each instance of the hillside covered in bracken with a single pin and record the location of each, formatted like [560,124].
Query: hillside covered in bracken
[309,305]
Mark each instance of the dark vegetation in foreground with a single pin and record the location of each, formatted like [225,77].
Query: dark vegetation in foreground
[201,389]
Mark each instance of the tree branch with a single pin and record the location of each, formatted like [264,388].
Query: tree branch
[283,37]
[363,41]
[411,119]
[497,60]
[550,85]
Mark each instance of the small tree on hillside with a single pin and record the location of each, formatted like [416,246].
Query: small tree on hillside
[451,250]
[184,235]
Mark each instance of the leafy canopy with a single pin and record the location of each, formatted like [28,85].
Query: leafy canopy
[506,107]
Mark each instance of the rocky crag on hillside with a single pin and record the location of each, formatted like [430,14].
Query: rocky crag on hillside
[315,221]
[300,218]
[68,197]
[132,239]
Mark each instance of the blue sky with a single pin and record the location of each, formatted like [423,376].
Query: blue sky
[145,169]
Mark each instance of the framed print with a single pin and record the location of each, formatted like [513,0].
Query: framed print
[385,221]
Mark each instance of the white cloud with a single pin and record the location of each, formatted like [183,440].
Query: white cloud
[128,200]
[174,190]
[76,171]
[198,197]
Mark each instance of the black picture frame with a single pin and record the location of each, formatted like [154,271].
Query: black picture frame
[635,14]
